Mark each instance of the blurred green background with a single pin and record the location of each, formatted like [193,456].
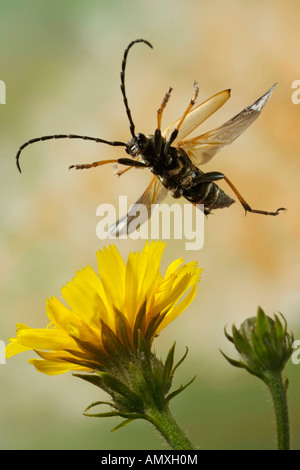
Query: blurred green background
[61,62]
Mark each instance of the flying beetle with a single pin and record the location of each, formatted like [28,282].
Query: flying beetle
[173,159]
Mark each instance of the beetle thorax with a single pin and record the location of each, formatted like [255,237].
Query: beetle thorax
[142,146]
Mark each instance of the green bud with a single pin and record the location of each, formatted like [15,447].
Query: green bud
[264,345]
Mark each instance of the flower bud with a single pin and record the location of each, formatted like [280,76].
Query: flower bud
[264,345]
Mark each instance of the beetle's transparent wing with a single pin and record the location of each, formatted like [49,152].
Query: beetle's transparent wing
[202,148]
[197,116]
[141,210]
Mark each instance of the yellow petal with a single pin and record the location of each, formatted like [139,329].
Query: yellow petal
[173,267]
[14,347]
[112,273]
[55,368]
[85,295]
[45,338]
[58,313]
[178,309]
[152,259]
[142,277]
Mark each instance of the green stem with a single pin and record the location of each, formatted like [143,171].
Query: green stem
[167,426]
[278,392]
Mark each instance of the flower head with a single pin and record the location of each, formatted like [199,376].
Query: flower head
[264,345]
[105,312]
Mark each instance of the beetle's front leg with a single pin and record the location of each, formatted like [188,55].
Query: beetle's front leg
[157,142]
[122,161]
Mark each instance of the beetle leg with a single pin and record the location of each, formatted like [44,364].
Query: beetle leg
[122,161]
[162,107]
[175,131]
[120,173]
[216,175]
[157,134]
[191,104]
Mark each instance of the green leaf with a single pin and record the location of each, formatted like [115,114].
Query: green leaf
[130,417]
[259,350]
[81,362]
[97,403]
[279,330]
[93,379]
[115,350]
[241,342]
[123,329]
[119,387]
[101,357]
[144,353]
[230,338]
[179,390]
[153,325]
[139,324]
[122,424]
[144,357]
[167,373]
[180,361]
[109,414]
[141,385]
[233,362]
[262,324]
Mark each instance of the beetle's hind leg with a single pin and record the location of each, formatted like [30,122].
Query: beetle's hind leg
[246,205]
[216,175]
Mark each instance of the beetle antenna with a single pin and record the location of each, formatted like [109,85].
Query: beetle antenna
[64,136]
[124,61]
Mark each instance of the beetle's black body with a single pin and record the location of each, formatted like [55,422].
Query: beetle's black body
[169,160]
[176,172]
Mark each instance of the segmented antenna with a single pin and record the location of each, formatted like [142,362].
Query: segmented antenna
[64,136]
[132,126]
[84,137]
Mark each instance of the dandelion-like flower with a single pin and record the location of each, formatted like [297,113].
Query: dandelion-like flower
[108,308]
[108,328]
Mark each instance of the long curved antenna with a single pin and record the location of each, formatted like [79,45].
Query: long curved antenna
[64,136]
[124,61]
[94,139]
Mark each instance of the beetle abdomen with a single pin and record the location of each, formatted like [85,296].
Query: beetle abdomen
[208,194]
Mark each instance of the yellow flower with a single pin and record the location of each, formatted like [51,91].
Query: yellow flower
[107,311]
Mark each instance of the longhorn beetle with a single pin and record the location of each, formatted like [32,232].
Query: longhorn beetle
[173,159]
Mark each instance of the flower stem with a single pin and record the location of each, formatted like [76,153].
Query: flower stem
[278,392]
[167,426]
